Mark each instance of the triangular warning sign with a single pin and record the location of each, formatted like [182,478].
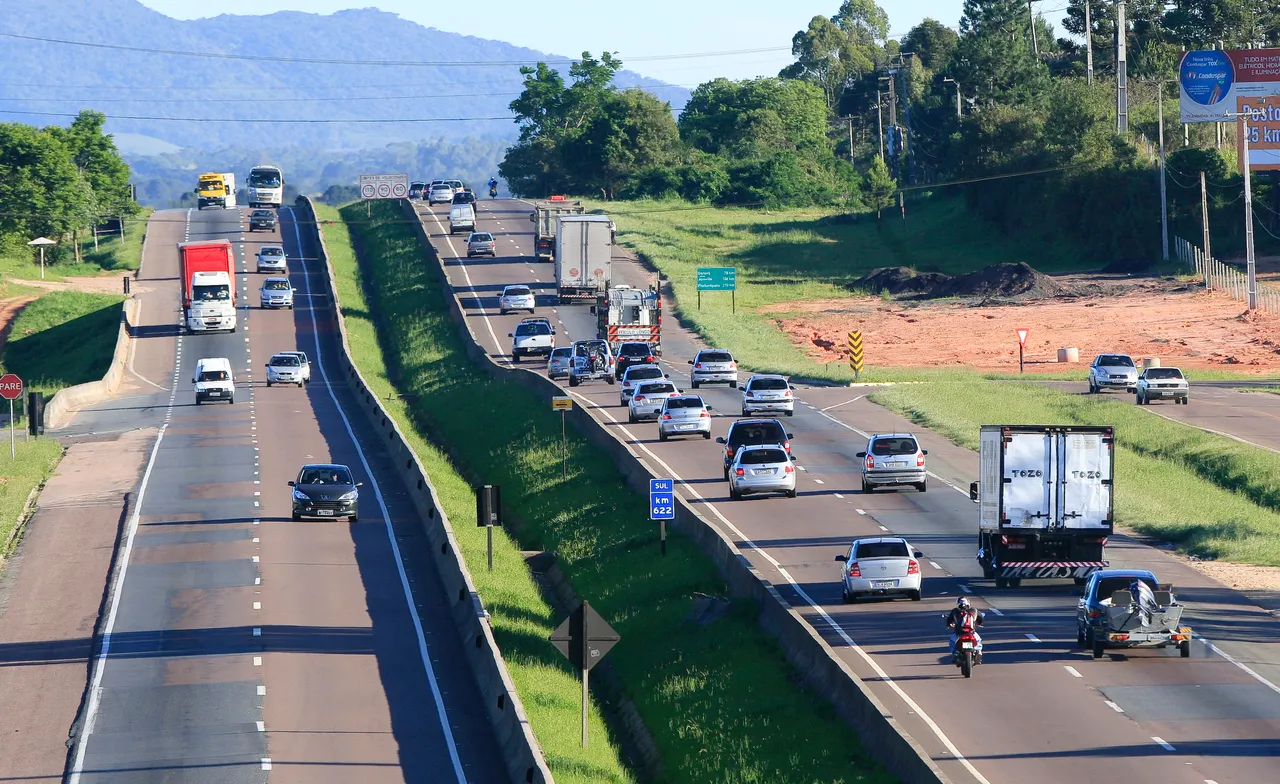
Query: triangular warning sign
[1022,336]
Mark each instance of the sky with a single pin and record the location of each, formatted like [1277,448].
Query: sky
[664,27]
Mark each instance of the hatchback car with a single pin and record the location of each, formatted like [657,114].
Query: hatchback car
[439,193]
[1162,383]
[262,219]
[481,243]
[684,415]
[634,353]
[271,258]
[303,362]
[648,400]
[1113,371]
[768,393]
[753,432]
[276,293]
[880,566]
[893,459]
[516,298]
[632,378]
[713,366]
[558,362]
[762,469]
[464,197]
[284,368]
[326,490]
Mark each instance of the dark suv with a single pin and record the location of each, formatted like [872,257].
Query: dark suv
[262,219]
[326,490]
[634,354]
[751,432]
[465,197]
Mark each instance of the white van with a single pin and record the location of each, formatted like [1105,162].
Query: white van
[214,380]
[462,217]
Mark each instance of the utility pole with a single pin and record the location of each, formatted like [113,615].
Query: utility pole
[850,138]
[1031,17]
[1164,203]
[1088,44]
[1248,212]
[1204,218]
[880,121]
[1122,71]
[957,84]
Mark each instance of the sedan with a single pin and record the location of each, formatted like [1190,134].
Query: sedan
[558,362]
[633,377]
[768,393]
[326,490]
[684,415]
[440,193]
[277,293]
[762,469]
[515,298]
[880,566]
[648,400]
[1162,383]
[262,219]
[271,258]
[481,243]
[284,368]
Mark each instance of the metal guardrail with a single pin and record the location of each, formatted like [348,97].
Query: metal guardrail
[1221,277]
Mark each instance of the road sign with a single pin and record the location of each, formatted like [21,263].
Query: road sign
[559,403]
[1022,336]
[384,186]
[662,499]
[585,639]
[10,387]
[855,352]
[717,279]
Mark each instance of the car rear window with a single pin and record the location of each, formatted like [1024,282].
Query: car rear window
[757,433]
[561,353]
[634,350]
[760,456]
[641,373]
[517,291]
[656,389]
[684,402]
[482,238]
[769,383]
[1115,360]
[1109,585]
[894,446]
[715,356]
[881,550]
[525,330]
[1163,373]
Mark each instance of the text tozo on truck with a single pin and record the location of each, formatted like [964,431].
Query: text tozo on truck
[544,221]
[1045,501]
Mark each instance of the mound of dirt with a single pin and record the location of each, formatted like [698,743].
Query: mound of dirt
[899,280]
[999,281]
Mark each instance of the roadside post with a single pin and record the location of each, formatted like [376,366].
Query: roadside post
[718,279]
[584,638]
[11,389]
[855,353]
[1022,341]
[489,512]
[563,404]
[662,506]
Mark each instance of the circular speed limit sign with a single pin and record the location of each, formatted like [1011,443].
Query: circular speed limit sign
[384,190]
[399,190]
[366,191]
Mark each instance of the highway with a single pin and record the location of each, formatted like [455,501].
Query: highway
[240,646]
[1040,708]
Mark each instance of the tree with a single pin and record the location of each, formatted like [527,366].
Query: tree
[755,117]
[41,192]
[994,53]
[932,42]
[631,131]
[834,53]
[880,186]
[99,162]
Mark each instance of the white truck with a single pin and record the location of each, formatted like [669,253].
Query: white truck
[629,315]
[1045,501]
[544,220]
[584,251]
[266,186]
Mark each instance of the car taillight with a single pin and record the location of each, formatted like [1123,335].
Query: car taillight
[788,469]
[913,566]
[870,463]
[919,461]
[729,451]
[1095,613]
[787,393]
[733,365]
[648,359]
[854,571]
[704,413]
[666,416]
[739,472]
[786,445]
[639,398]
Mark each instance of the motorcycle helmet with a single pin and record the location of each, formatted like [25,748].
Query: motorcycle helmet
[963,603]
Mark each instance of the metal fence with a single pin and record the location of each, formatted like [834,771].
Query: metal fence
[1220,277]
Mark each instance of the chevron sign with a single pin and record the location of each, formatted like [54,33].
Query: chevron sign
[855,352]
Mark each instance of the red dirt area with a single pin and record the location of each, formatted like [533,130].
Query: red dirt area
[1183,326]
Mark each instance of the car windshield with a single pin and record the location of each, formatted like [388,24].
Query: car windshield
[215,375]
[715,356]
[1114,360]
[325,476]
[761,456]
[263,214]
[656,389]
[214,293]
[1163,373]
[525,330]
[881,550]
[634,350]
[684,402]
[1109,585]
[284,360]
[894,446]
[757,433]
[270,251]
[516,291]
[769,383]
[264,180]
[641,373]
[482,238]
[276,285]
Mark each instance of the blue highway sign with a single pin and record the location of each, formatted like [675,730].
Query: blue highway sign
[662,499]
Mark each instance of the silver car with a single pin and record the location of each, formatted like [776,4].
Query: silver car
[303,362]
[276,293]
[284,368]
[1162,383]
[558,362]
[649,399]
[271,258]
[880,566]
[768,393]
[439,193]
[481,243]
[762,469]
[633,376]
[893,459]
[684,415]
[518,297]
[1113,371]
[713,366]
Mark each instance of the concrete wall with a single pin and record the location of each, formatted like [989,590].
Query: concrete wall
[516,742]
[66,401]
[815,660]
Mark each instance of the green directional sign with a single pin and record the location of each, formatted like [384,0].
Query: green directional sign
[717,279]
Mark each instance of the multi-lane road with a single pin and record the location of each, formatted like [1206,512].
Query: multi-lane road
[1040,709]
[240,646]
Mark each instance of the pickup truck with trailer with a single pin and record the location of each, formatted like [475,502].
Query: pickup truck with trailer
[584,254]
[208,286]
[629,315]
[544,219]
[1045,501]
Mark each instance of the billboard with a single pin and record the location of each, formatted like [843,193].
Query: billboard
[1262,124]
[1215,85]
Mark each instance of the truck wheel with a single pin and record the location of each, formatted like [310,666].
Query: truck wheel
[1098,648]
[1015,582]
[1002,582]
[1184,649]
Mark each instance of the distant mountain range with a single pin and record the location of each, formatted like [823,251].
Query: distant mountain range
[201,103]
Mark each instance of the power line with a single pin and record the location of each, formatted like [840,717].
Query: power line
[267,120]
[272,100]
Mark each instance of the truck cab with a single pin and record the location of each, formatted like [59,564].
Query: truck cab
[212,190]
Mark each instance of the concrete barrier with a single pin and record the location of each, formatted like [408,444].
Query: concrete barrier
[69,399]
[816,662]
[516,742]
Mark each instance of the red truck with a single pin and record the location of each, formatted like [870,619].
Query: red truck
[208,285]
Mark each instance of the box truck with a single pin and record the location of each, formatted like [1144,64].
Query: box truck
[208,286]
[584,250]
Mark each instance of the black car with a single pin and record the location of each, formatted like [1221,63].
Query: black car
[465,197]
[417,190]
[751,432]
[262,219]
[634,354]
[326,490]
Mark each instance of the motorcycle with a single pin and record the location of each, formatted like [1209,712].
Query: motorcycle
[968,655]
[493,191]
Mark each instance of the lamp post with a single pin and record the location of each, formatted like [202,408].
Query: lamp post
[41,243]
[948,79]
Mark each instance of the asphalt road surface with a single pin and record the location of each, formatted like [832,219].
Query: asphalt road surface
[241,646]
[1040,708]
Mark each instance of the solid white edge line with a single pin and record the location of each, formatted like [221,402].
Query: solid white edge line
[410,604]
[795,586]
[497,344]
[1074,672]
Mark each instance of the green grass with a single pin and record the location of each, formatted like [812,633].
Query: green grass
[35,461]
[720,701]
[63,339]
[1213,496]
[111,255]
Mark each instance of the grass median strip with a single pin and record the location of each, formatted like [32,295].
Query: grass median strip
[1213,496]
[35,461]
[63,339]
[719,699]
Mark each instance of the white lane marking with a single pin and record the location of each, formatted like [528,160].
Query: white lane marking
[1032,637]
[934,564]
[266,763]
[795,586]
[1150,410]
[386,519]
[864,434]
[1074,672]
[262,726]
[1242,666]
[257,661]
[837,495]
[994,610]
[497,345]
[882,528]
[845,403]
[819,481]
[100,663]
[860,511]
[1114,707]
[802,468]
[255,559]
[257,630]
[257,605]
[1163,743]
[966,589]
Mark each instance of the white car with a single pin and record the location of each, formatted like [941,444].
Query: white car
[684,415]
[271,258]
[518,297]
[276,293]
[768,393]
[1162,383]
[1113,371]
[648,400]
[880,566]
[765,468]
[632,378]
[532,336]
[440,193]
[284,368]
[713,366]
[304,362]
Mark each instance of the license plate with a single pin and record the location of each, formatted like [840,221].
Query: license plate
[214,393]
[885,584]
[966,645]
[325,512]
[762,471]
[896,465]
[684,427]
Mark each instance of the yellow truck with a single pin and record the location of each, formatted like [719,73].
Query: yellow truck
[216,189]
